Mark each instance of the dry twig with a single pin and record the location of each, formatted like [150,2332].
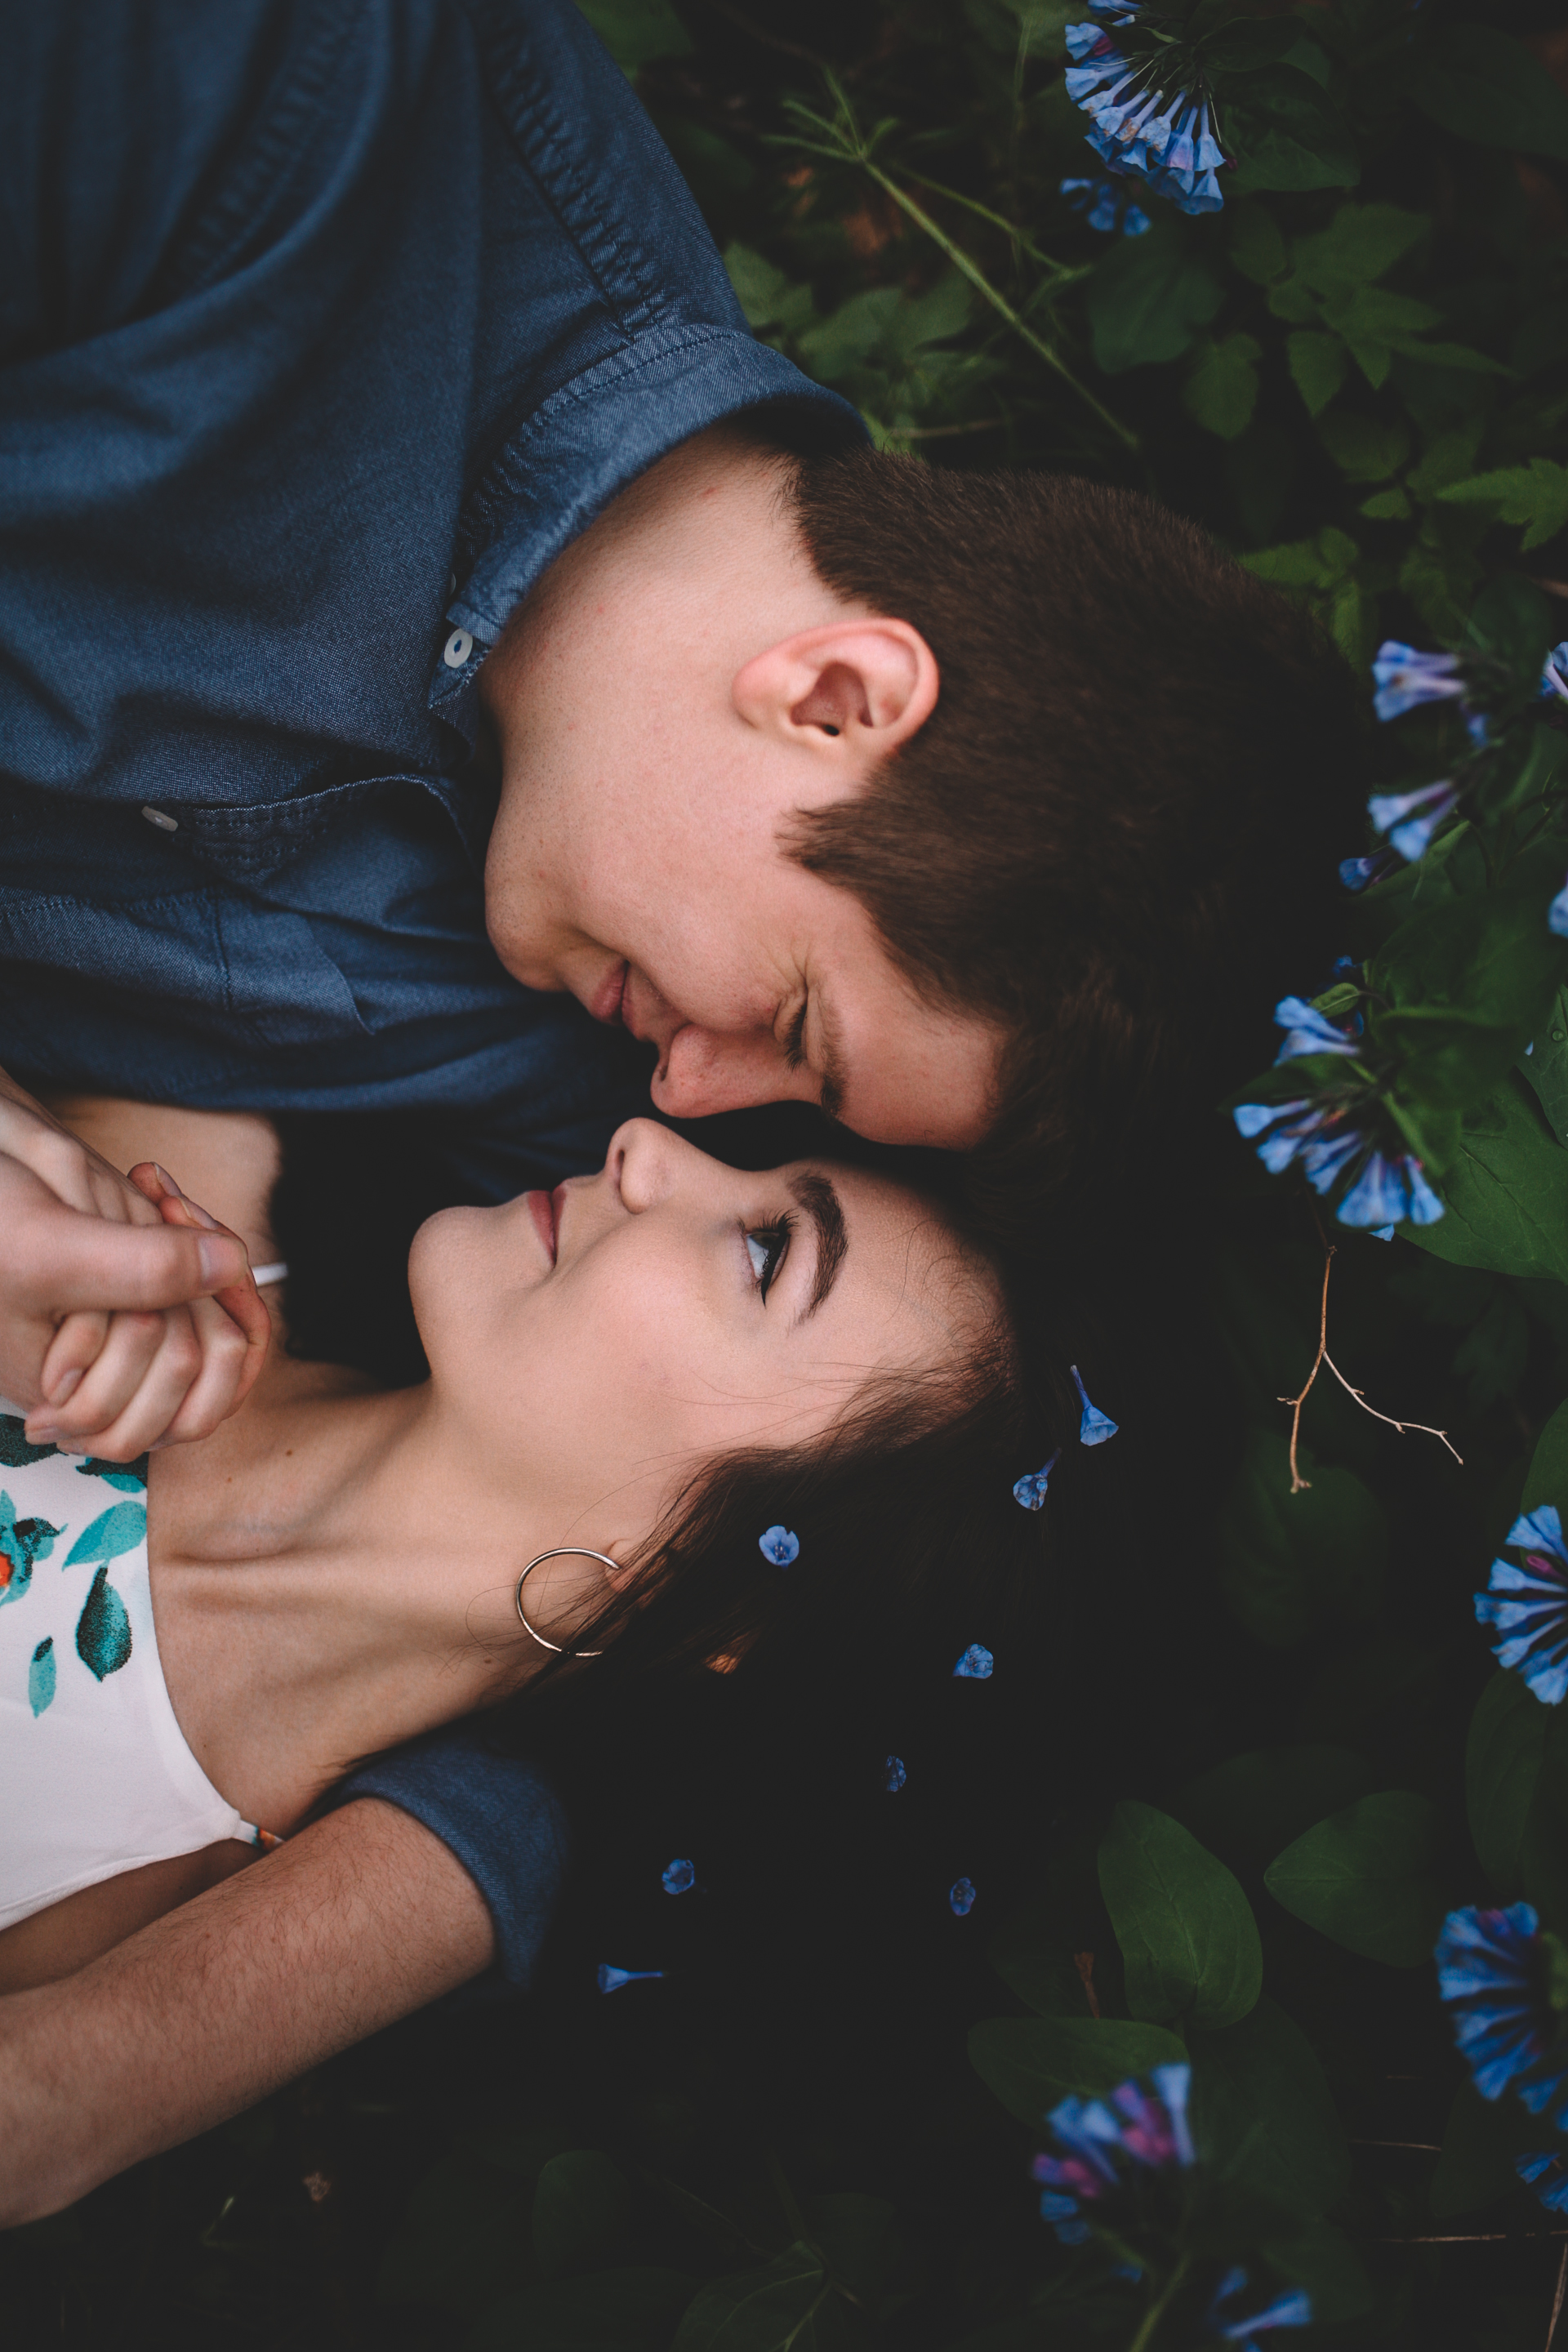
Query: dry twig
[1322,1357]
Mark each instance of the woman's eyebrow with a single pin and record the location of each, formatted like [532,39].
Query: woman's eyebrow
[816,1196]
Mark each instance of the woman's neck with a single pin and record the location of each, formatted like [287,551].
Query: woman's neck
[331,1575]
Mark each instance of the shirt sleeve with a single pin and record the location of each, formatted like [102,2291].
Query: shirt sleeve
[500,1817]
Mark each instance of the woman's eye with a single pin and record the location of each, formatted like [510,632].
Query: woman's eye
[766,1248]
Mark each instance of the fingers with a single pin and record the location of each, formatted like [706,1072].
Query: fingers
[76,1344]
[240,1301]
[104,1396]
[228,1367]
[77,1261]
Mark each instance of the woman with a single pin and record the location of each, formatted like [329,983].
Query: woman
[631,1381]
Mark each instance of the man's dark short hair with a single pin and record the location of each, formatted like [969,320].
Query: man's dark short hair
[1116,834]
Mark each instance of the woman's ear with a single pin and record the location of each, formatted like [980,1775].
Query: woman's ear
[848,693]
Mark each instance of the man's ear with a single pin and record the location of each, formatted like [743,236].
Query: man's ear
[848,693]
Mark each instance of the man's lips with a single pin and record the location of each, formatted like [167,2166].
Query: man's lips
[605,1001]
[544,1208]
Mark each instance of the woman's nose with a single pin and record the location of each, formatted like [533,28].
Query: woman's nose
[643,1160]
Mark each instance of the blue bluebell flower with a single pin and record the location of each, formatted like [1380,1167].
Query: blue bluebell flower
[1308,1031]
[611,1979]
[1391,812]
[1167,139]
[1491,1973]
[1360,873]
[778,1544]
[1405,679]
[1548,2176]
[894,1775]
[976,1664]
[960,1897]
[1102,2143]
[1095,1426]
[678,1877]
[1103,206]
[1030,1489]
[1535,1625]
[1390,1192]
[1291,2309]
[1557,914]
[1554,672]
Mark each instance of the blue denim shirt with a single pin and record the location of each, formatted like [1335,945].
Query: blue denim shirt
[328,323]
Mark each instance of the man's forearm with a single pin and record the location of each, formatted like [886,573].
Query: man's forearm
[362,1919]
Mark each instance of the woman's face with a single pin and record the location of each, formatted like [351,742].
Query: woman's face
[604,1338]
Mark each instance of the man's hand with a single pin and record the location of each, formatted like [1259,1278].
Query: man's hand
[128,1316]
[361,1918]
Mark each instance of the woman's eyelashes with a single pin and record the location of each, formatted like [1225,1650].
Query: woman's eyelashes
[766,1246]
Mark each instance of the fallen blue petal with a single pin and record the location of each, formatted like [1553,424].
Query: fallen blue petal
[1382,1233]
[611,1979]
[960,1897]
[1030,1489]
[778,1544]
[1096,1426]
[976,1664]
[1557,914]
[678,1877]
[896,1775]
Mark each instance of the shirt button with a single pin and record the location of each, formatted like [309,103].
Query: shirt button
[161,819]
[457,648]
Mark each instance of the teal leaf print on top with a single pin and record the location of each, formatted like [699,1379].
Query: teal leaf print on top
[103,1629]
[41,1677]
[15,1451]
[131,1478]
[22,1542]
[120,1528]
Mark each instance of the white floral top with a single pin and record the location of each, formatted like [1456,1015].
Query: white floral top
[99,1776]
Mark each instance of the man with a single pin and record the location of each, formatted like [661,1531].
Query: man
[426,603]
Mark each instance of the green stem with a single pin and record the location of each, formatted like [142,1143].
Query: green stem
[1157,2309]
[999,300]
[1062,270]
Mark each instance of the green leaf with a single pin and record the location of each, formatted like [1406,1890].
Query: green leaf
[1257,243]
[635,31]
[1030,1954]
[1287,132]
[1359,243]
[1188,1939]
[764,293]
[1251,1806]
[1318,364]
[1262,2115]
[630,2310]
[1221,392]
[1546,1481]
[1387,506]
[1535,494]
[464,2237]
[1031,2063]
[863,2250]
[579,2210]
[1480,2143]
[1364,449]
[1467,983]
[1289,1562]
[1502,1763]
[1147,299]
[1483,85]
[1367,1878]
[787,2306]
[1505,1194]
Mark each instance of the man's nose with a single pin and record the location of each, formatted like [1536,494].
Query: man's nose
[707,1070]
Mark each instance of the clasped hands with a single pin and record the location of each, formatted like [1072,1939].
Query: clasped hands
[129,1318]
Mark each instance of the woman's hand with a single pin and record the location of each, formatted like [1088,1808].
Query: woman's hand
[128,1316]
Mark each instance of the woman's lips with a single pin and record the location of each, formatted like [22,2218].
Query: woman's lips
[607,997]
[544,1208]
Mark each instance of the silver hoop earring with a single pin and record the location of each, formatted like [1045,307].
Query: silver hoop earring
[562,1551]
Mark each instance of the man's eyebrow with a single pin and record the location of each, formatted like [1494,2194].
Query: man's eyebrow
[816,1196]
